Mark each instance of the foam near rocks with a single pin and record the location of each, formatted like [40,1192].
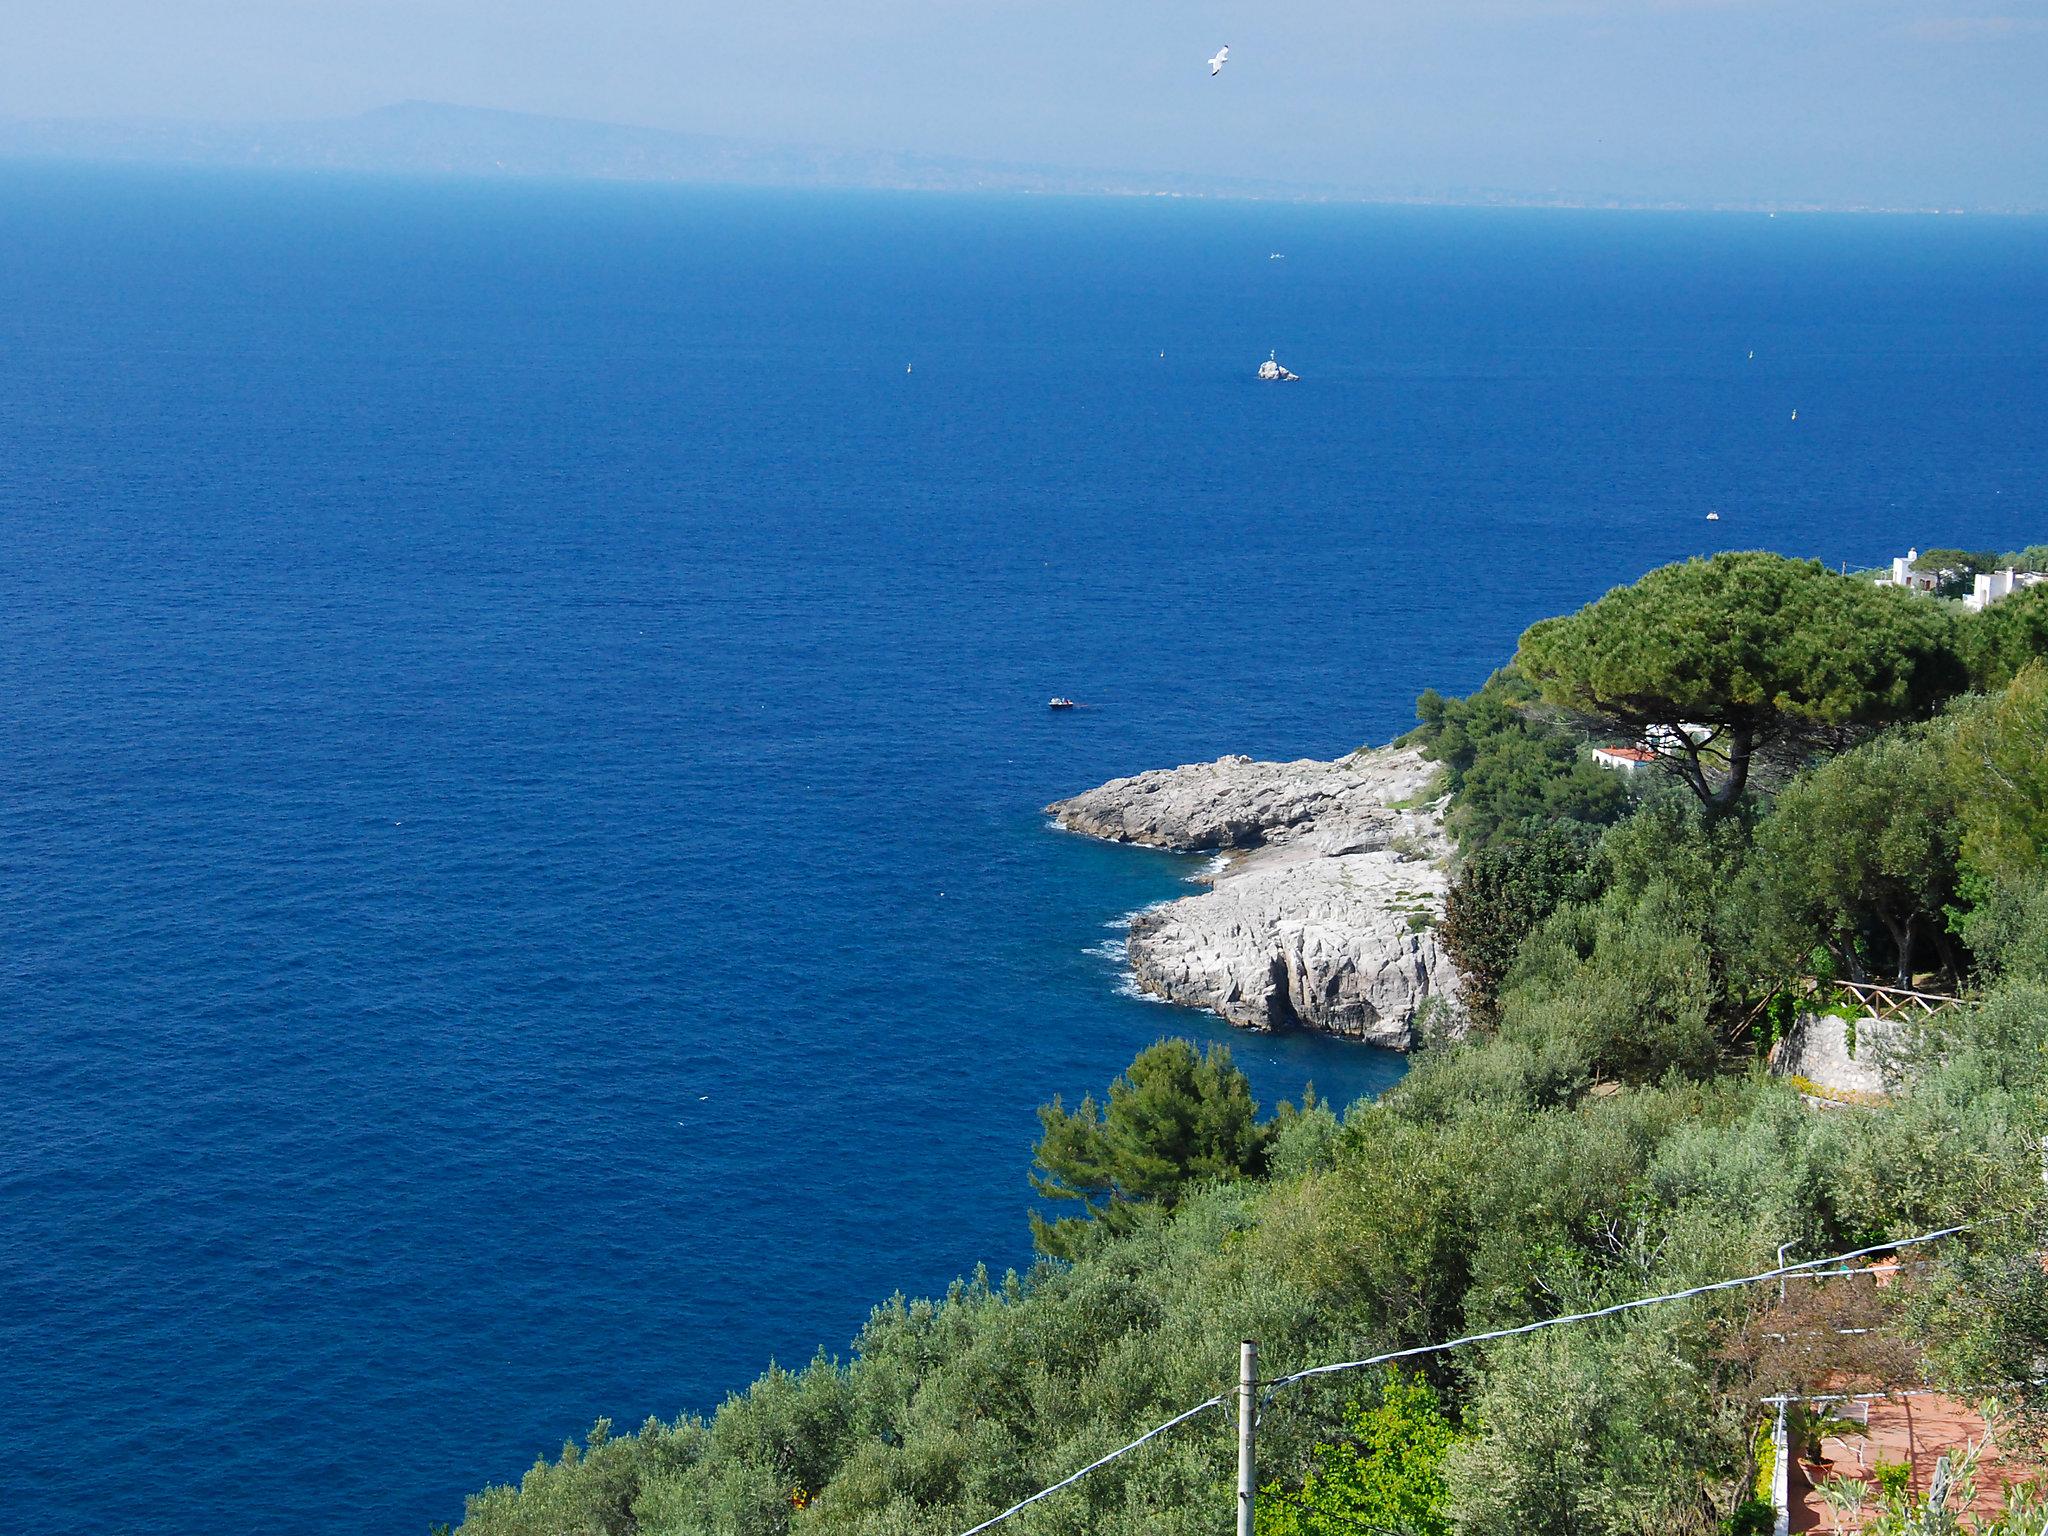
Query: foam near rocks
[1322,916]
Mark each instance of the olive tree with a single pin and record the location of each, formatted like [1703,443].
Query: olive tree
[1868,839]
[2000,763]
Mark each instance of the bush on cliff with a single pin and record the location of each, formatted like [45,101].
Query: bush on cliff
[1859,856]
[1999,642]
[1511,769]
[1383,1471]
[1499,896]
[1999,766]
[1176,1119]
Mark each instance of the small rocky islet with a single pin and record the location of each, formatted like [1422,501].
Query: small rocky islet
[1322,914]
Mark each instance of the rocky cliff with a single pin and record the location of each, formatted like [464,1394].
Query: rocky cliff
[1323,914]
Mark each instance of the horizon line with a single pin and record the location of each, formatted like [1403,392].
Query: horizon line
[181,142]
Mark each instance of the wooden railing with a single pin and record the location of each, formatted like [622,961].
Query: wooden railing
[1887,1002]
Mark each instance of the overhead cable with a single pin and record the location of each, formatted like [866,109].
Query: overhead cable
[1832,1263]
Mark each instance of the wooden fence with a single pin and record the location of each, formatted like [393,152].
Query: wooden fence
[1885,1002]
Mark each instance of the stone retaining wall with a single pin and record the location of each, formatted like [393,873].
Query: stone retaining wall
[1817,1049]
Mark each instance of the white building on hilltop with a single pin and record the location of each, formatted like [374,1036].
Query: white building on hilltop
[1625,759]
[1987,587]
[1994,586]
[1903,574]
[1674,738]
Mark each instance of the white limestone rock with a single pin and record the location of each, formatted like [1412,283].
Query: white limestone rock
[1345,944]
[1237,803]
[1323,916]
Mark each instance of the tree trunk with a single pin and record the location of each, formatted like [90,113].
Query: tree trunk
[1947,951]
[1741,746]
[1902,945]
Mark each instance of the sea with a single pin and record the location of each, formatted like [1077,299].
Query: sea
[524,886]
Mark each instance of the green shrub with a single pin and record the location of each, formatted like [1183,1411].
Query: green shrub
[1385,1473]
[1500,896]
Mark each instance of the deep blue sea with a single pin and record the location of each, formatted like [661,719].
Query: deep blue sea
[523,889]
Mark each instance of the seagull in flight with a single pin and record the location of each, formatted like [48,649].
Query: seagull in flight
[1222,58]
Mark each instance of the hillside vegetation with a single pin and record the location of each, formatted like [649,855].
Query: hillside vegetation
[1873,804]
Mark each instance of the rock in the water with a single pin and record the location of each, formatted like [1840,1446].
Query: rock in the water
[1345,944]
[1324,916]
[1237,803]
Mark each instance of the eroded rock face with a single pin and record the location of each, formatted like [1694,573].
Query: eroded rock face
[1345,944]
[1324,915]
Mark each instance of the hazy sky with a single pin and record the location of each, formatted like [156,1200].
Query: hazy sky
[1854,100]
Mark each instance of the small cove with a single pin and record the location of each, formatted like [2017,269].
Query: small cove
[524,877]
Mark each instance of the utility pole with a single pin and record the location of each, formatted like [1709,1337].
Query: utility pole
[1247,1433]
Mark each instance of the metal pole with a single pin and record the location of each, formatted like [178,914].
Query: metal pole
[1247,1433]
[1781,1476]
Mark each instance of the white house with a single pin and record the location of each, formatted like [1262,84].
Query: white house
[1993,586]
[1903,574]
[1672,738]
[1624,759]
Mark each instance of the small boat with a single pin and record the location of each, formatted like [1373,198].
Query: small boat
[1271,371]
[1795,413]
[1713,517]
[1277,256]
[1059,701]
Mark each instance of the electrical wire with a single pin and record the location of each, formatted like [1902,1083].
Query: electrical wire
[1836,1259]
[1066,1482]
[1832,1262]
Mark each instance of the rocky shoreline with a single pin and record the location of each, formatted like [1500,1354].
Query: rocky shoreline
[1321,916]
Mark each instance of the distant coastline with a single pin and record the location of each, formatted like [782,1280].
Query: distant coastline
[438,139]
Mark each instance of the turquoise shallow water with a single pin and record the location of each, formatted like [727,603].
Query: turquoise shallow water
[520,853]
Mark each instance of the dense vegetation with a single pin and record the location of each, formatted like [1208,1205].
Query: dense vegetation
[1606,1130]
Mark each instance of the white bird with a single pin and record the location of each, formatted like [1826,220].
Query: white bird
[1222,58]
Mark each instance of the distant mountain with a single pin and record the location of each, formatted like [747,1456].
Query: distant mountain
[426,138]
[430,138]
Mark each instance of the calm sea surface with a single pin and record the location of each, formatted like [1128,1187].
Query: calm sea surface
[522,885]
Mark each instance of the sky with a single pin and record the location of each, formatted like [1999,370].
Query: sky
[1848,102]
